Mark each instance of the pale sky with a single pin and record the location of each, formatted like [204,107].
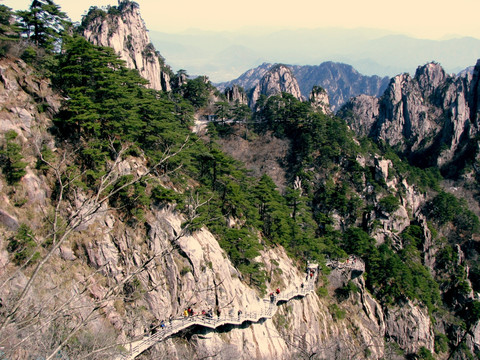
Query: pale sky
[431,19]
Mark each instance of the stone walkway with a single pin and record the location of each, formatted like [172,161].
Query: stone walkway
[266,311]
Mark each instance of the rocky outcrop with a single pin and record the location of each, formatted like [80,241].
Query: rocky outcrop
[472,339]
[365,105]
[410,327]
[236,94]
[432,117]
[319,100]
[341,81]
[124,30]
[279,79]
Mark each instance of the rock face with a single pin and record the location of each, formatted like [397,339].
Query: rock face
[410,327]
[431,117]
[277,80]
[236,94]
[319,100]
[126,33]
[341,81]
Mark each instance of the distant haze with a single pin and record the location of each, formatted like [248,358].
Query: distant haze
[225,55]
[431,19]
[231,37]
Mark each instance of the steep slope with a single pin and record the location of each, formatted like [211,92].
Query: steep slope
[124,30]
[431,117]
[341,81]
[114,280]
[115,218]
[378,207]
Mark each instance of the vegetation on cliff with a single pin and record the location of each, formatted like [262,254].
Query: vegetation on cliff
[334,199]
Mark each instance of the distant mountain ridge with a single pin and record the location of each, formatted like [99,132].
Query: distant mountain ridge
[370,51]
[341,81]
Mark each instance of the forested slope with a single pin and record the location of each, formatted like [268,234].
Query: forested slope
[116,216]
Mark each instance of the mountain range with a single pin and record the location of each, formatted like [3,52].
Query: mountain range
[225,55]
[341,81]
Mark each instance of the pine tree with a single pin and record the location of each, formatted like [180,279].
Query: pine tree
[9,30]
[44,24]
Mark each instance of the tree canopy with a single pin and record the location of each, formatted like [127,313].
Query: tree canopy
[44,24]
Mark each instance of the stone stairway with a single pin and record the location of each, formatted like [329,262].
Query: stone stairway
[268,309]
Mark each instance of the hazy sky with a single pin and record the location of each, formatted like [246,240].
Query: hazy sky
[433,19]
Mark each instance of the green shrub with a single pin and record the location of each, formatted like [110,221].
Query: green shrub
[425,354]
[344,292]
[441,343]
[29,55]
[389,204]
[322,291]
[336,312]
[11,159]
[185,270]
[162,195]
[23,245]
[445,208]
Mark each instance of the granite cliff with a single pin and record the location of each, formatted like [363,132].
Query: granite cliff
[123,29]
[113,223]
[277,79]
[159,269]
[116,279]
[431,117]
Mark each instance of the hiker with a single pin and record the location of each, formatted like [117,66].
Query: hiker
[277,291]
[185,313]
[190,311]
[170,318]
[272,297]
[239,313]
[204,313]
[301,285]
[162,324]
[153,328]
[311,275]
[210,313]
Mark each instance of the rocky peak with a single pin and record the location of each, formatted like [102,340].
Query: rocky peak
[319,100]
[397,87]
[341,81]
[430,76]
[474,98]
[277,80]
[417,115]
[124,30]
